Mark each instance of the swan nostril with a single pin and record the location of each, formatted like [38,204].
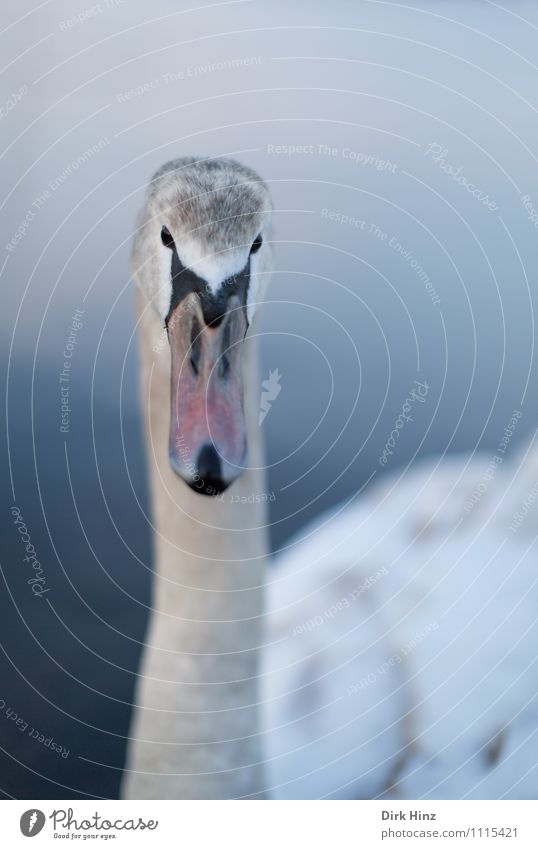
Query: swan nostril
[208,479]
[196,347]
[194,361]
[224,365]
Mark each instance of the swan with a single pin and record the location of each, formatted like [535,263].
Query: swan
[388,651]
[201,259]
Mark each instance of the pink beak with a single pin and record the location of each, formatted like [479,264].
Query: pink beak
[207,445]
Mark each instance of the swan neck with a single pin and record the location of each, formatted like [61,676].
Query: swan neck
[195,729]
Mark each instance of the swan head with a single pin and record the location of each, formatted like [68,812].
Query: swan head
[201,257]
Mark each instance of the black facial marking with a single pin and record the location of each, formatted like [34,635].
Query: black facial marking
[185,281]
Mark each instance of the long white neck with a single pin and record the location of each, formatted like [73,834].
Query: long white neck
[195,729]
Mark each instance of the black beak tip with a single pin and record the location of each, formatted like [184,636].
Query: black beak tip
[208,486]
[208,480]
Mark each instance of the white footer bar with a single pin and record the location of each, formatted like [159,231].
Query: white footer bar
[272,825]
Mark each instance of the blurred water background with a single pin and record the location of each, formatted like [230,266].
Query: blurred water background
[390,268]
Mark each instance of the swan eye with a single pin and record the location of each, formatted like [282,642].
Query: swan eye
[256,244]
[166,238]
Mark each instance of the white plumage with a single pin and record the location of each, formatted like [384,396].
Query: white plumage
[424,682]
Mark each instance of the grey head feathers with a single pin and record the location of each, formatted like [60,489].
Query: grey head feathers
[214,210]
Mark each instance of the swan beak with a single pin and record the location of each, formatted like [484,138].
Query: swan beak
[207,445]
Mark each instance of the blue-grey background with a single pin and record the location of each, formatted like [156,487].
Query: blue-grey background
[349,322]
